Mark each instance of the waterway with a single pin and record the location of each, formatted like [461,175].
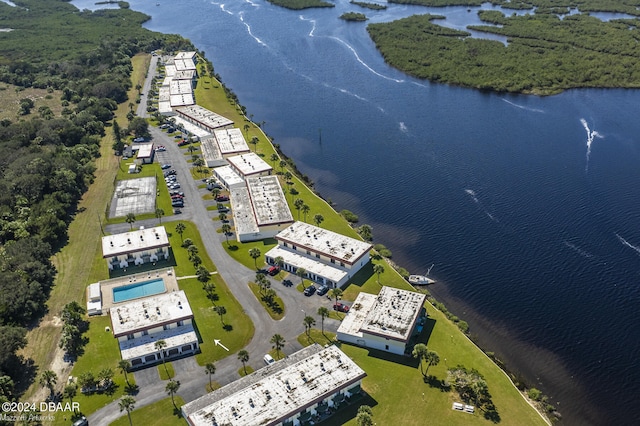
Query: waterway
[527,206]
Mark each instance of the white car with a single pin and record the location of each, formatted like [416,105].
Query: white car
[268,359]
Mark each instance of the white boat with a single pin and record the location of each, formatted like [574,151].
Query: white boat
[421,279]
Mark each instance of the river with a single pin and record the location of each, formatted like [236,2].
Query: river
[527,206]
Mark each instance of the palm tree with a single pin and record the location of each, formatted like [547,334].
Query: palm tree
[279,261]
[160,345]
[171,388]
[192,250]
[131,218]
[318,219]
[283,164]
[278,343]
[48,379]
[378,269]
[127,403]
[301,273]
[243,357]
[226,228]
[297,204]
[432,358]
[308,322]
[420,352]
[254,141]
[159,214]
[220,310]
[222,217]
[180,228]
[124,366]
[203,275]
[255,254]
[305,209]
[210,369]
[70,391]
[246,129]
[195,260]
[274,157]
[336,293]
[324,313]
[287,176]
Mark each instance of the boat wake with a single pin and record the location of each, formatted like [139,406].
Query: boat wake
[313,26]
[471,193]
[403,127]
[578,250]
[241,15]
[628,244]
[222,8]
[355,54]
[523,107]
[591,135]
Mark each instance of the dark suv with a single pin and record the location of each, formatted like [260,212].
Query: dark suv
[309,290]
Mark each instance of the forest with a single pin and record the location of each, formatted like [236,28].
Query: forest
[47,160]
[544,54]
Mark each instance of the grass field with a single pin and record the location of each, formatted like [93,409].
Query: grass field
[237,329]
[184,266]
[316,336]
[10,97]
[161,413]
[277,311]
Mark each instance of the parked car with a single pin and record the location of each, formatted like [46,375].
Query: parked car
[287,283]
[310,290]
[222,198]
[165,166]
[340,307]
[323,289]
[177,211]
[178,137]
[160,149]
[183,143]
[176,193]
[138,140]
[82,421]
[273,270]
[179,203]
[268,359]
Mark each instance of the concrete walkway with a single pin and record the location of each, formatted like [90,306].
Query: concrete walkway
[192,377]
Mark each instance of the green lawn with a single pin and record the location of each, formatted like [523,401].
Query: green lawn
[161,413]
[240,252]
[239,328]
[279,312]
[394,383]
[101,352]
[166,371]
[316,336]
[184,266]
[242,371]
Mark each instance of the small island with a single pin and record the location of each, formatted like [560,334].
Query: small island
[301,4]
[353,16]
[542,53]
[372,6]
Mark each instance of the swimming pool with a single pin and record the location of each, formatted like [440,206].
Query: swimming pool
[135,291]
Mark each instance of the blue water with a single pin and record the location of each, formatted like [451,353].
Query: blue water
[136,291]
[527,206]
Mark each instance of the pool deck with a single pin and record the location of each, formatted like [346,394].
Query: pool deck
[107,286]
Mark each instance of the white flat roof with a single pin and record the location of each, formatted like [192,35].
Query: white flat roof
[210,150]
[184,64]
[181,100]
[354,320]
[141,346]
[180,87]
[328,243]
[310,265]
[185,75]
[203,116]
[169,70]
[278,391]
[243,218]
[231,141]
[134,241]
[149,312]
[229,178]
[189,54]
[145,150]
[249,164]
[268,201]
[191,128]
[391,314]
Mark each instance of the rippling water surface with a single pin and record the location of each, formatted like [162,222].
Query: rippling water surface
[527,206]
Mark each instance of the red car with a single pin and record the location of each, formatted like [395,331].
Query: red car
[340,307]
[273,270]
[222,198]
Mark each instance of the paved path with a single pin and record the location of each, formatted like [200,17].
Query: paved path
[192,377]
